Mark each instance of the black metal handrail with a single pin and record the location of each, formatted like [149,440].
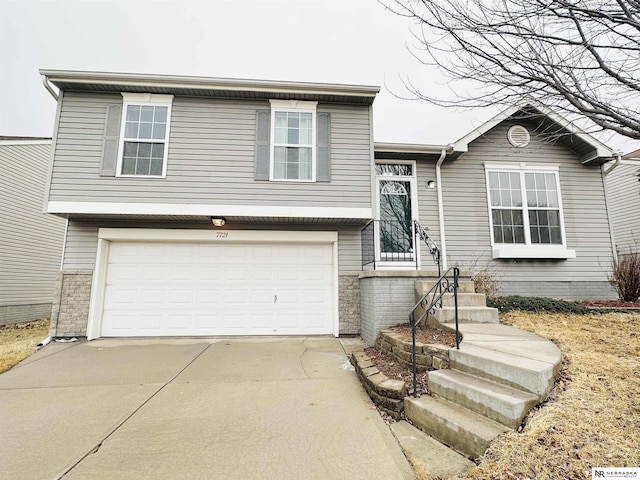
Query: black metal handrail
[446,283]
[421,232]
[395,242]
[368,244]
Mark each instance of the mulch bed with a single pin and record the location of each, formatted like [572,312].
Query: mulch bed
[610,304]
[395,370]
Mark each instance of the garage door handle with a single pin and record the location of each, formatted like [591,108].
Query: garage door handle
[275,298]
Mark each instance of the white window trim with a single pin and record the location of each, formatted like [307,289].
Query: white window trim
[413,181]
[151,100]
[528,249]
[292,106]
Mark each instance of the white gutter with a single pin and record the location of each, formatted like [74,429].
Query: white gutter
[618,156]
[49,87]
[443,243]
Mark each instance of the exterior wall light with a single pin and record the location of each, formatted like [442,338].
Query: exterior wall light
[218,221]
[431,184]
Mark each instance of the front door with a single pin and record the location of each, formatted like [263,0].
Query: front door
[396,212]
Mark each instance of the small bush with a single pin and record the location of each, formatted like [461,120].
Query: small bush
[536,304]
[625,276]
[485,279]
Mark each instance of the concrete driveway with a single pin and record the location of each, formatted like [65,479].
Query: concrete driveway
[242,408]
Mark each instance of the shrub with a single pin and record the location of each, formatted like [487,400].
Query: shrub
[485,279]
[536,304]
[625,276]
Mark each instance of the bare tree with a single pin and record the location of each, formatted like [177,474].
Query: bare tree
[577,56]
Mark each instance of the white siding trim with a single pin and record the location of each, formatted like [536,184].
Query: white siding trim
[226,236]
[112,208]
[533,251]
[98,285]
[25,142]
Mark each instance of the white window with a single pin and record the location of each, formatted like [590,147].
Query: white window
[144,135]
[293,141]
[525,210]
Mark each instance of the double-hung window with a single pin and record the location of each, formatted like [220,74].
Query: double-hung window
[293,141]
[144,135]
[525,212]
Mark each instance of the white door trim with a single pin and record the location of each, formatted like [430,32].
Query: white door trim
[107,235]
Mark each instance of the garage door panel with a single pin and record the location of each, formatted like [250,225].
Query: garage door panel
[178,289]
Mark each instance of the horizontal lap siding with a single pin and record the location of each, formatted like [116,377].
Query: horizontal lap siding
[428,210]
[585,215]
[211,157]
[82,240]
[30,241]
[624,202]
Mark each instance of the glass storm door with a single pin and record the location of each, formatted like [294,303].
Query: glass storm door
[395,194]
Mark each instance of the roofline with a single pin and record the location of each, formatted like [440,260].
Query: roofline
[207,83]
[410,148]
[601,150]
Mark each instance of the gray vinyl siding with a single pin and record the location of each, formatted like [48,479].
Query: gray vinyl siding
[466,211]
[30,241]
[624,203]
[82,240]
[428,210]
[211,157]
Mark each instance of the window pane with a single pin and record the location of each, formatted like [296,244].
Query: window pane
[130,149]
[159,130]
[133,113]
[504,180]
[541,184]
[144,150]
[552,198]
[157,150]
[505,198]
[535,235]
[532,201]
[293,120]
[156,167]
[493,180]
[293,136]
[131,130]
[146,114]
[516,198]
[142,167]
[554,218]
[144,131]
[497,235]
[495,198]
[160,115]
[518,234]
[393,169]
[128,166]
[280,135]
[556,235]
[508,234]
[529,181]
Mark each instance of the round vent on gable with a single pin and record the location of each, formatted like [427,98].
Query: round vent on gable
[518,136]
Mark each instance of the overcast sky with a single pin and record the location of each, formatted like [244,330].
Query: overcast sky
[338,41]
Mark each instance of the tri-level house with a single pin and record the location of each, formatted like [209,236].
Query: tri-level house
[207,206]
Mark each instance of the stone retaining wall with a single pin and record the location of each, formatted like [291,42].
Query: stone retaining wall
[428,356]
[387,394]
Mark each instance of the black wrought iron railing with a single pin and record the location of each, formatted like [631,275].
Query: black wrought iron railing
[446,283]
[387,241]
[422,234]
[395,241]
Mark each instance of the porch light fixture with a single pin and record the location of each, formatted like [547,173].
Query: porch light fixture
[218,221]
[431,184]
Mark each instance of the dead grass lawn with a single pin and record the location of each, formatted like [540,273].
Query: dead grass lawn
[592,417]
[19,341]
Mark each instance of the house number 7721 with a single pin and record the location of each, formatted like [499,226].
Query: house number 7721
[222,234]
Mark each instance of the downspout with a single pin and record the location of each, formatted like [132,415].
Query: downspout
[47,85]
[443,243]
[607,203]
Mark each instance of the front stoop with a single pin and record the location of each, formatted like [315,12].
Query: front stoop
[496,377]
[438,460]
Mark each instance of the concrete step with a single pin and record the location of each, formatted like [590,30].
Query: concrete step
[503,404]
[466,315]
[423,286]
[438,460]
[463,430]
[524,373]
[465,300]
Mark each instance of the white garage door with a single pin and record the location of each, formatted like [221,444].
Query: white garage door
[187,289]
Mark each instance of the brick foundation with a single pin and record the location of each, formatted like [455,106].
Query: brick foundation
[70,310]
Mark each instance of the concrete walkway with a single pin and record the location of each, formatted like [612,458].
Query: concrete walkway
[244,408]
